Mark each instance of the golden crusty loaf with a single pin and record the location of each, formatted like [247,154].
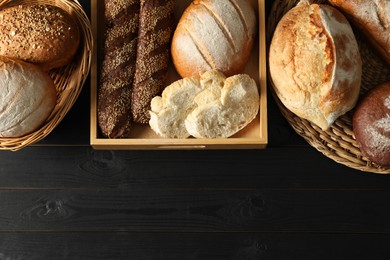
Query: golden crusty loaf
[118,67]
[214,34]
[45,35]
[156,25]
[315,63]
[372,17]
[371,124]
[27,97]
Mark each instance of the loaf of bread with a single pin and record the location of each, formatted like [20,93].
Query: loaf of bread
[45,35]
[118,67]
[27,97]
[371,18]
[156,25]
[210,107]
[371,125]
[214,34]
[315,64]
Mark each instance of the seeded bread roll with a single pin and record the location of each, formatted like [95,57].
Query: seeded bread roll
[214,34]
[315,63]
[372,18]
[45,35]
[118,67]
[156,26]
[27,97]
[371,125]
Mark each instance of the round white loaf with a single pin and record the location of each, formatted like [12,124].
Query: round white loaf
[27,97]
[214,34]
[315,63]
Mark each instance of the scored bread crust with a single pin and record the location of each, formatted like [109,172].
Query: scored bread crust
[315,63]
[27,97]
[214,34]
[372,17]
[118,67]
[156,25]
[42,34]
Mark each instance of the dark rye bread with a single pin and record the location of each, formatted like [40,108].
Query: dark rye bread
[156,25]
[118,67]
[371,124]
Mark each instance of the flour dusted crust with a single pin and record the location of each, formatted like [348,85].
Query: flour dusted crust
[214,34]
[371,124]
[27,97]
[42,34]
[372,17]
[315,63]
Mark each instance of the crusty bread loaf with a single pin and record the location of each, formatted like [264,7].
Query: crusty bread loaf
[210,107]
[371,124]
[214,34]
[372,18]
[118,67]
[315,63]
[27,97]
[45,35]
[156,25]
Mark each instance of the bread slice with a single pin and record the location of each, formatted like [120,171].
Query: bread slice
[169,111]
[222,117]
[210,107]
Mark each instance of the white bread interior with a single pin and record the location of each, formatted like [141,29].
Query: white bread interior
[210,107]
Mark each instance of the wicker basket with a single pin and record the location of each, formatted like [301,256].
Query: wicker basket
[337,143]
[68,80]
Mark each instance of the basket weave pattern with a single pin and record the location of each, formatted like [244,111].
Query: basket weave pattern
[68,80]
[337,143]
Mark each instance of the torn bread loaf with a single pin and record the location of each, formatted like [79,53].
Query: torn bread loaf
[315,63]
[210,107]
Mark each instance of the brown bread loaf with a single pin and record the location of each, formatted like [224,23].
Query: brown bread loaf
[118,67]
[44,35]
[156,25]
[371,124]
[372,18]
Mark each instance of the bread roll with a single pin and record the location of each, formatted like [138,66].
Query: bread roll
[27,97]
[315,63]
[214,34]
[210,107]
[156,25]
[45,35]
[118,67]
[227,113]
[371,125]
[372,17]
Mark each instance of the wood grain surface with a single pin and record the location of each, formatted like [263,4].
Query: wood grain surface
[61,199]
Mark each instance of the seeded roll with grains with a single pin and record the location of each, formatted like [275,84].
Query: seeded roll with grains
[156,25]
[118,67]
[42,34]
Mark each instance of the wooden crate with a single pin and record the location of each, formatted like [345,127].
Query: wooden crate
[254,136]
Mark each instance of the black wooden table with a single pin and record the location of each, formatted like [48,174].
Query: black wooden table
[61,199]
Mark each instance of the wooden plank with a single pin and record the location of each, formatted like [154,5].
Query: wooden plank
[235,246]
[273,168]
[195,211]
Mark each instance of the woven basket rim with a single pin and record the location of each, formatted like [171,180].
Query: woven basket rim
[69,80]
[337,143]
